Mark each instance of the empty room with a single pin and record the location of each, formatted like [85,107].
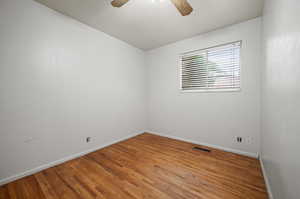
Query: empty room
[149,99]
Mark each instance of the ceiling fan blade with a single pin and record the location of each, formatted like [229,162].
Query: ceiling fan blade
[118,3]
[183,7]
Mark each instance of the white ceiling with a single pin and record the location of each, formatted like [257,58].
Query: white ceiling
[149,25]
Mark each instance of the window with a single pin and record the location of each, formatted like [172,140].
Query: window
[212,69]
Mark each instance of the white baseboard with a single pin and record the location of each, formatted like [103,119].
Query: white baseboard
[60,161]
[249,154]
[266,178]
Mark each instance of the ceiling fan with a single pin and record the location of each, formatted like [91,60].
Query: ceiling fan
[182,5]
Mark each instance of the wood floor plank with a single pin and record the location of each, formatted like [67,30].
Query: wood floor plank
[146,166]
[4,192]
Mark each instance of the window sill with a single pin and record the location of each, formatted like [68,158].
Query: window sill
[234,90]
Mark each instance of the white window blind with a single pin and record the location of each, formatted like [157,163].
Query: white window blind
[216,68]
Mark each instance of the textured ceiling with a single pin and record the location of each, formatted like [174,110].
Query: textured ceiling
[149,25]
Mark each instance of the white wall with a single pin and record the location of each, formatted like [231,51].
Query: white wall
[281,97]
[213,118]
[61,81]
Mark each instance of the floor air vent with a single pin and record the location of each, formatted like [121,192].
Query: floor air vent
[201,149]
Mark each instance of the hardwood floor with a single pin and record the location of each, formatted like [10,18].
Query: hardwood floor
[146,166]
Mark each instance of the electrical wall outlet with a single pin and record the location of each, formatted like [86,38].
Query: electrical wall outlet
[249,140]
[245,140]
[88,139]
[239,139]
[29,140]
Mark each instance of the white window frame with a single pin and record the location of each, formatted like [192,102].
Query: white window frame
[211,90]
